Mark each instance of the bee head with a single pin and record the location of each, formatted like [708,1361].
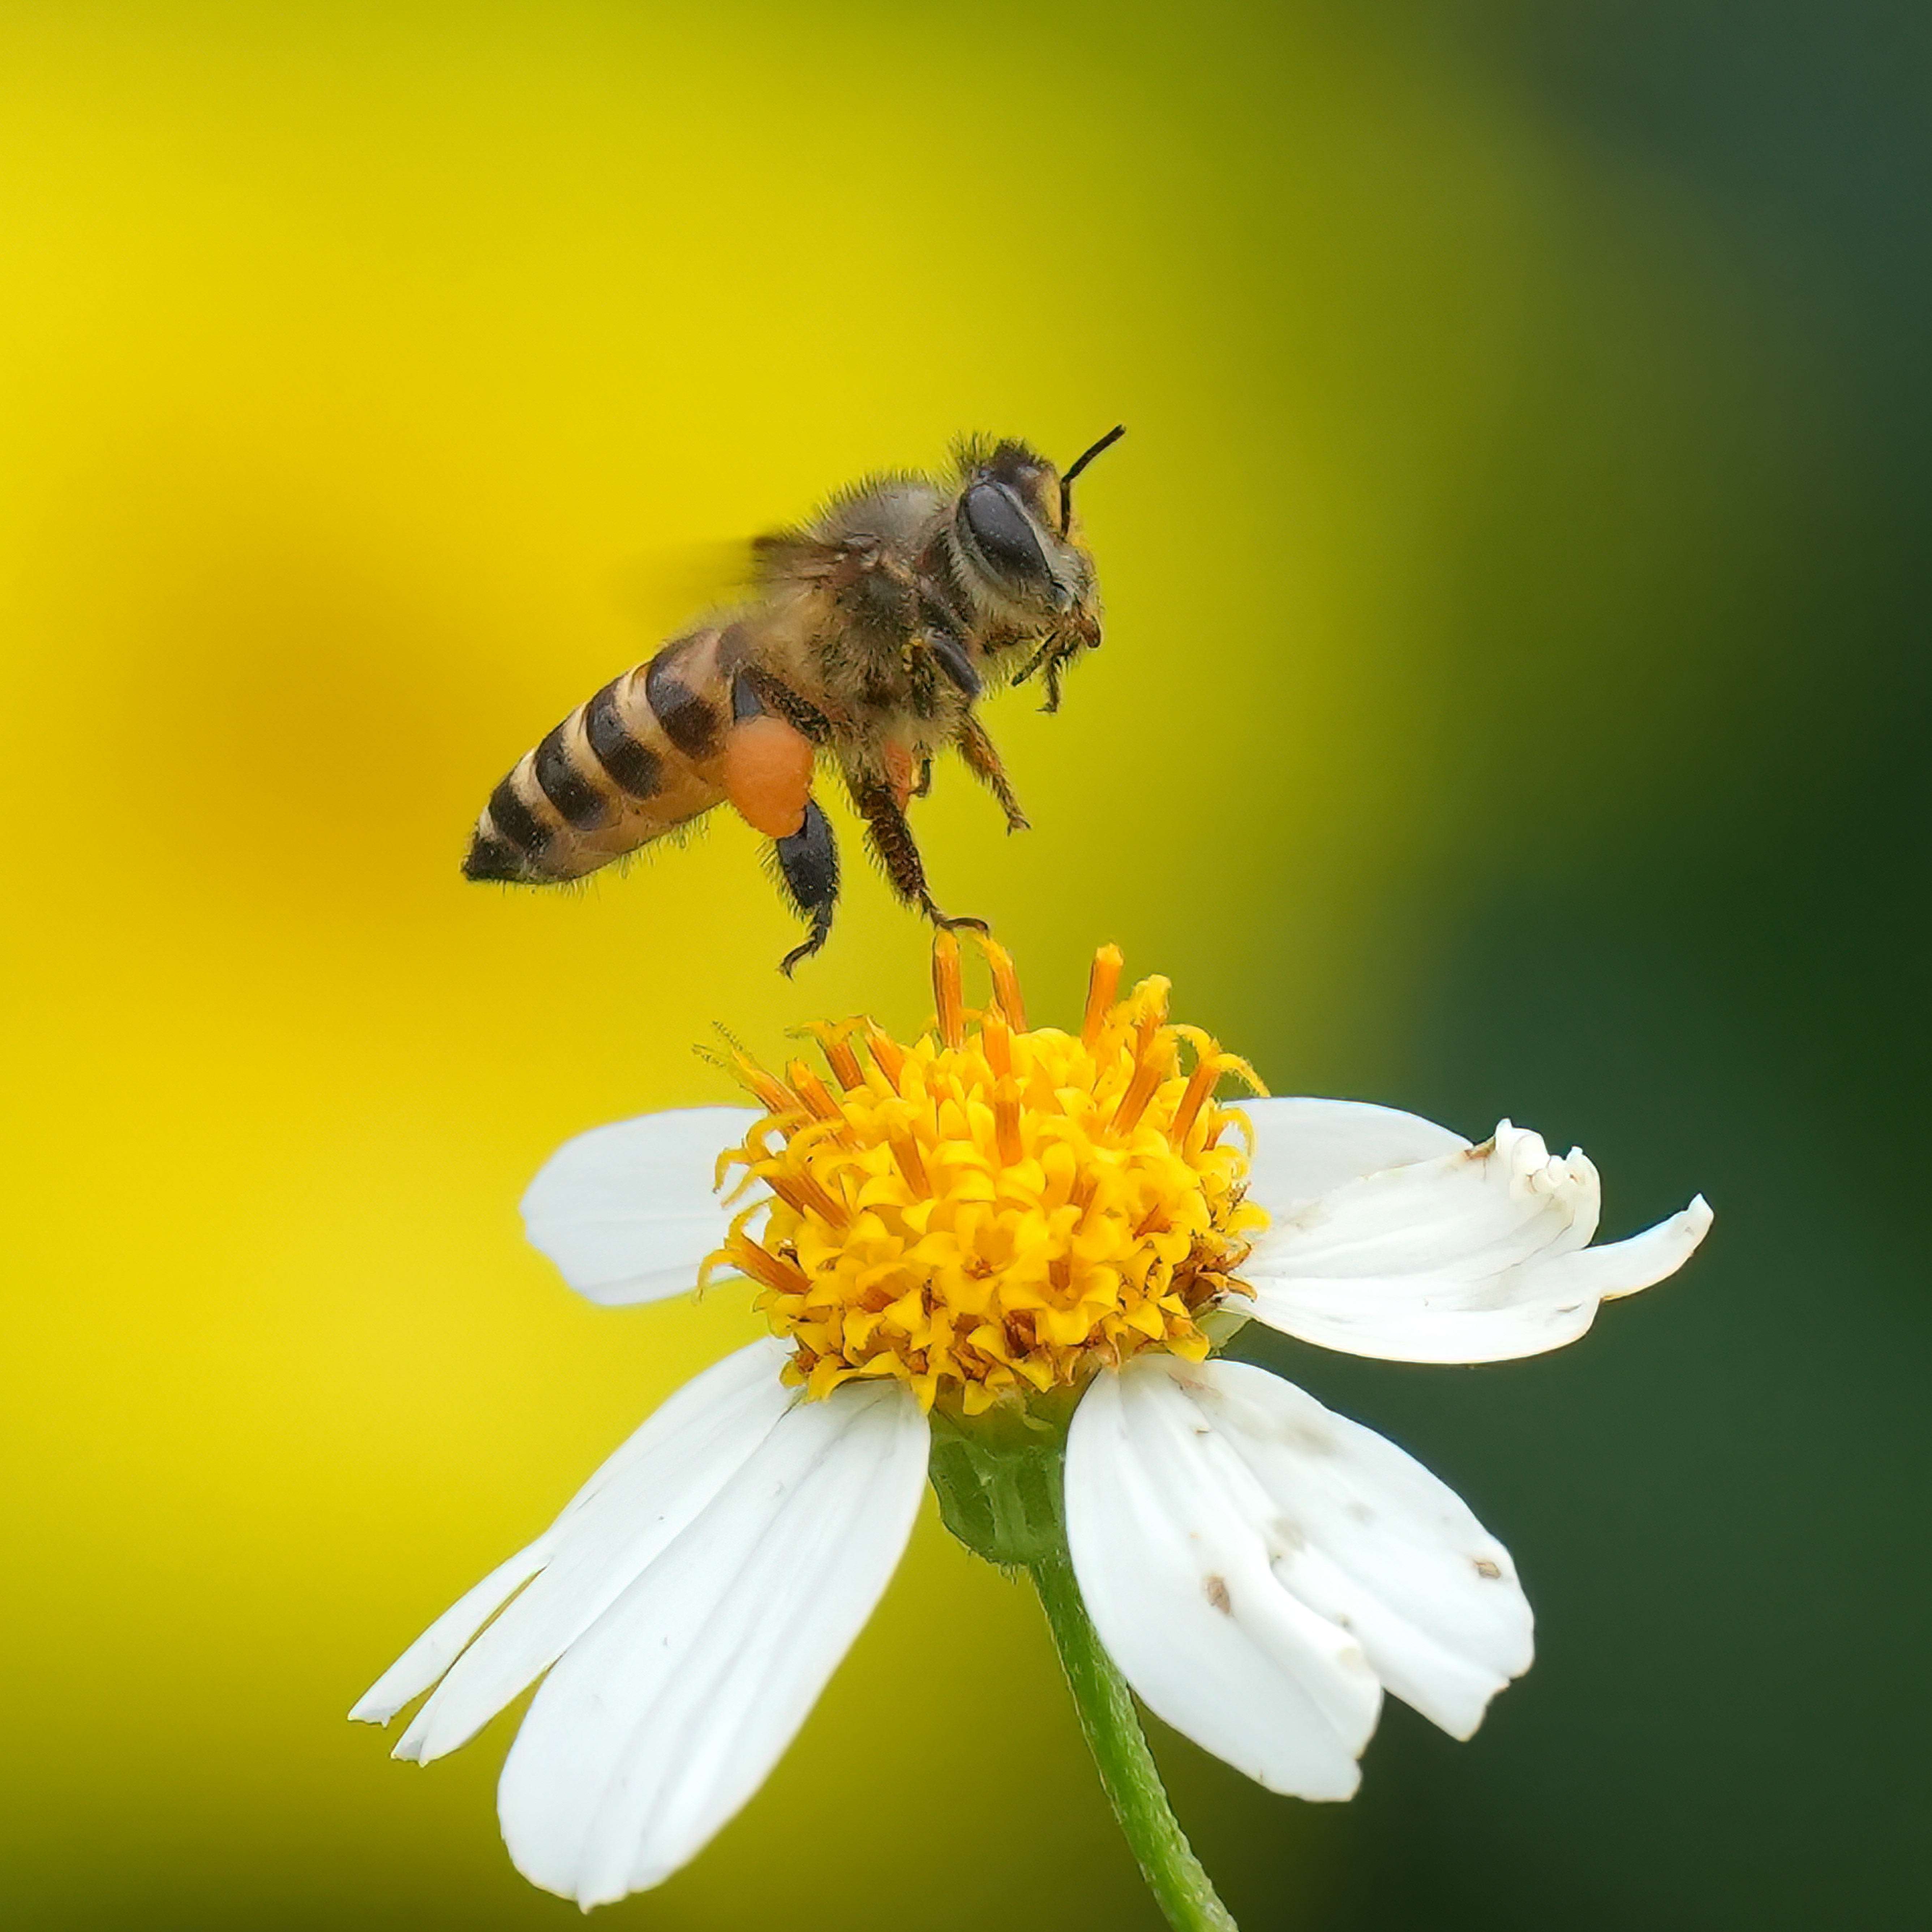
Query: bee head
[1013,526]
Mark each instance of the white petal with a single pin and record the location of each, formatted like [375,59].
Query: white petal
[1485,1207]
[1618,1268]
[628,1212]
[1167,1532]
[1307,1148]
[1368,1538]
[432,1653]
[663,1719]
[634,1505]
[1475,1257]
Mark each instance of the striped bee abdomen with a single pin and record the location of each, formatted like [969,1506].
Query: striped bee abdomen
[641,757]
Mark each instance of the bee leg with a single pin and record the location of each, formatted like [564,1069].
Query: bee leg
[1034,663]
[983,762]
[808,863]
[950,651]
[923,678]
[900,777]
[938,647]
[924,782]
[891,838]
[779,699]
[1047,661]
[1051,675]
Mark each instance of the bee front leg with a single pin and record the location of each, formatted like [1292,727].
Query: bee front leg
[891,838]
[983,762]
[949,653]
[1046,662]
[808,863]
[1051,675]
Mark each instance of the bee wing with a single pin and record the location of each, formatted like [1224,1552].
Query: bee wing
[672,580]
[793,556]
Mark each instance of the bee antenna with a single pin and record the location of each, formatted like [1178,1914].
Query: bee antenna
[1080,462]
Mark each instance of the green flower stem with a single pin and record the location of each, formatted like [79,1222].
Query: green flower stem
[1126,1767]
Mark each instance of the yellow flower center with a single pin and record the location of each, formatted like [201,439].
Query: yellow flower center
[992,1212]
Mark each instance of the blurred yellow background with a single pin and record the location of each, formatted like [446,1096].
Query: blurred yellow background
[1504,708]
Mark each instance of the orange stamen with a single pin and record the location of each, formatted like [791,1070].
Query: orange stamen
[998,1039]
[887,1055]
[813,1092]
[1133,1102]
[948,988]
[834,1043]
[763,1266]
[1153,1015]
[1103,981]
[802,1194]
[1005,984]
[905,1151]
[778,1099]
[1201,1084]
[1006,1124]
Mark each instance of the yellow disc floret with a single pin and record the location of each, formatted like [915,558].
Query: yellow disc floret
[992,1212]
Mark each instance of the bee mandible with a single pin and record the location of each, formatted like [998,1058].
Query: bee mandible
[872,632]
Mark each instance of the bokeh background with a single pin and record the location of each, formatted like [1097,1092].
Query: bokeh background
[1514,701]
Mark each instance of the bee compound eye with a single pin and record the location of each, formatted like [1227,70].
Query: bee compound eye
[1002,533]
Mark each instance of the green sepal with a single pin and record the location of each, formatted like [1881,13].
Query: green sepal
[999,1477]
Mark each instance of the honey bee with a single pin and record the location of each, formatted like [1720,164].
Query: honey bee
[873,631]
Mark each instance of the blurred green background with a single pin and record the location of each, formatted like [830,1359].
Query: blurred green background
[1514,701]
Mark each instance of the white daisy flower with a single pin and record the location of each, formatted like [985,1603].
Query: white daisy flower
[1008,1253]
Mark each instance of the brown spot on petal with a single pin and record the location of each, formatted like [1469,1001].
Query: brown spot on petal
[1489,1572]
[1215,1589]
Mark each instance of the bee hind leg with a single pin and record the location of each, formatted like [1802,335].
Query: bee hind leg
[808,868]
